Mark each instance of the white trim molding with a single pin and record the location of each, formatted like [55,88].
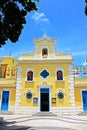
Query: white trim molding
[29,69]
[44,85]
[45,47]
[71,85]
[18,86]
[59,69]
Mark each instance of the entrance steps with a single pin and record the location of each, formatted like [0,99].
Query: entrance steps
[6,113]
[82,114]
[1,120]
[44,114]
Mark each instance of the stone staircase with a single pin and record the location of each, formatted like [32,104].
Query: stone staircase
[6,113]
[82,114]
[1,120]
[44,114]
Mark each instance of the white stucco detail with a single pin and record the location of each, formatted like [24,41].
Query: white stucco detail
[18,86]
[71,86]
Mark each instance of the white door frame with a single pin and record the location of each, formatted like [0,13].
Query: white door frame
[40,98]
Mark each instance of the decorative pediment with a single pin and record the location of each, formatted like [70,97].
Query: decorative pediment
[45,39]
[44,84]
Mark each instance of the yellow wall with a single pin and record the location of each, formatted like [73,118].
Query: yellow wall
[80,84]
[11,68]
[9,82]
[56,85]
[9,60]
[78,94]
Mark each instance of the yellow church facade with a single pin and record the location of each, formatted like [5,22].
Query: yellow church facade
[42,81]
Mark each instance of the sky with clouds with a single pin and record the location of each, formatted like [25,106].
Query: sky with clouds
[64,20]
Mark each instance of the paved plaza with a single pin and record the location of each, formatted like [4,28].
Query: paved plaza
[27,122]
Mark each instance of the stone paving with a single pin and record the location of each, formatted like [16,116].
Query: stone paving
[27,122]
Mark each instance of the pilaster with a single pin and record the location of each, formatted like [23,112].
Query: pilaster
[18,86]
[71,86]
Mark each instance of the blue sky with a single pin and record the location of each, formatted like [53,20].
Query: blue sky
[64,20]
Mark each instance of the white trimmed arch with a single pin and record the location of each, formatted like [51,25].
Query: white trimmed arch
[43,48]
[59,69]
[29,69]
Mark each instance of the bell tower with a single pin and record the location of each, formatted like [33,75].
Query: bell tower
[45,47]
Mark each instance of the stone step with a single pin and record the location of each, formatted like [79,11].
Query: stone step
[82,114]
[6,113]
[1,120]
[44,114]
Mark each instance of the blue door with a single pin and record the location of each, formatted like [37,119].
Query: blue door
[84,98]
[44,99]
[5,100]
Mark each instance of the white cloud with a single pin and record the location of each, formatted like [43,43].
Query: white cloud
[40,17]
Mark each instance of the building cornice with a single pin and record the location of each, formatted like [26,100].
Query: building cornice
[81,84]
[7,85]
[45,60]
[36,40]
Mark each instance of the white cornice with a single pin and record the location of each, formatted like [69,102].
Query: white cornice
[45,39]
[8,85]
[45,60]
[81,84]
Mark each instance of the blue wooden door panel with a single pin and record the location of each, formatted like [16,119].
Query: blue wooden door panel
[5,100]
[44,99]
[84,97]
[44,90]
